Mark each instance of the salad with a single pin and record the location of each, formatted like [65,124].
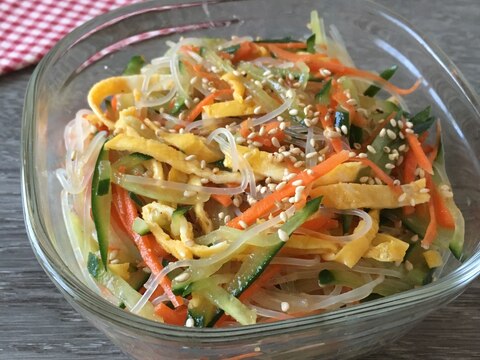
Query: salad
[234,182]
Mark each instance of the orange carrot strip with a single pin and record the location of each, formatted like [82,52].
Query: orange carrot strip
[320,223]
[382,175]
[146,244]
[290,45]
[317,62]
[416,147]
[208,100]
[176,316]
[443,216]
[266,205]
[225,200]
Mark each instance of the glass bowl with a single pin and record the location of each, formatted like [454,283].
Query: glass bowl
[376,39]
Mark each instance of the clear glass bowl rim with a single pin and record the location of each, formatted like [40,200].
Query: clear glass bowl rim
[452,283]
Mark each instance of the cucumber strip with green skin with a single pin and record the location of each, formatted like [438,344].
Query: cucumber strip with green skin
[104,175]
[323,96]
[134,65]
[386,74]
[342,118]
[453,238]
[356,135]
[231,49]
[311,44]
[287,39]
[178,106]
[422,121]
[354,280]
[200,310]
[225,301]
[136,199]
[130,161]
[181,210]
[119,288]
[140,227]
[101,203]
[256,262]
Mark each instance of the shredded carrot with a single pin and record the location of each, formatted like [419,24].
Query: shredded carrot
[264,206]
[146,244]
[176,316]
[247,51]
[416,147]
[225,200]
[321,222]
[443,216]
[318,61]
[207,100]
[382,175]
[290,45]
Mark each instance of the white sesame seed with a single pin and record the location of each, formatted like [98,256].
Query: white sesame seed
[226,218]
[396,182]
[275,142]
[378,181]
[290,176]
[309,171]
[325,72]
[257,144]
[382,132]
[402,147]
[408,265]
[243,224]
[293,112]
[344,129]
[257,110]
[189,193]
[402,197]
[236,73]
[221,215]
[414,238]
[400,124]
[386,149]
[357,146]
[298,164]
[362,155]
[237,201]
[409,124]
[190,323]
[297,182]
[282,235]
[184,276]
[352,154]
[146,270]
[190,157]
[391,134]
[311,155]
[284,306]
[203,164]
[364,179]
[352,102]
[258,83]
[262,130]
[393,122]
[392,156]
[409,131]
[389,166]
[371,149]
[401,136]
[272,131]
[252,135]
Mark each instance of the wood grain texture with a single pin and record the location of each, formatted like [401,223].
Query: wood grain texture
[37,323]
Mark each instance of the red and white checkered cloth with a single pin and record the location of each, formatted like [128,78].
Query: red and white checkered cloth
[29,28]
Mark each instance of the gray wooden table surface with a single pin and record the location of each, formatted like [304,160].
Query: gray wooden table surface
[37,323]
